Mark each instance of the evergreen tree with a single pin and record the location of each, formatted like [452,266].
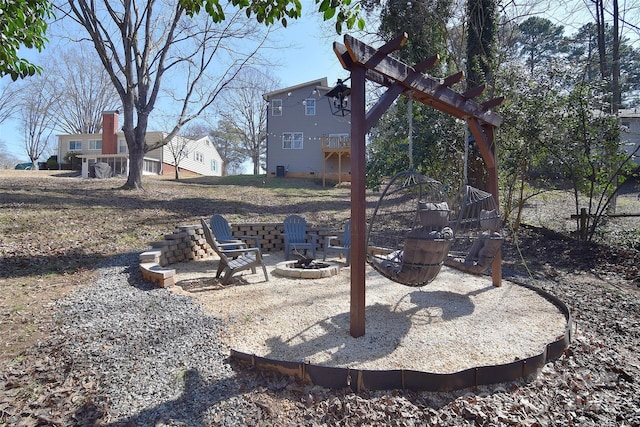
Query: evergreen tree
[481,41]
[433,138]
[539,40]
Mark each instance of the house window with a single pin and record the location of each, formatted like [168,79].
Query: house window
[75,145]
[309,107]
[199,157]
[276,107]
[214,165]
[292,140]
[122,146]
[95,144]
[151,166]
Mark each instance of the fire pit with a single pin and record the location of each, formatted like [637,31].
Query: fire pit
[306,268]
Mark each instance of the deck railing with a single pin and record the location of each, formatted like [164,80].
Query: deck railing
[331,143]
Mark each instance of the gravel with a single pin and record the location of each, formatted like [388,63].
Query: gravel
[156,355]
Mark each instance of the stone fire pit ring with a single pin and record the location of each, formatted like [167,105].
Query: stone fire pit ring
[287,269]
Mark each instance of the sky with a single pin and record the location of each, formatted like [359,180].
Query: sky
[307,54]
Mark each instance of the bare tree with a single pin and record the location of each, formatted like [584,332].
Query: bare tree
[246,111]
[601,33]
[38,97]
[141,44]
[7,102]
[86,91]
[615,63]
[7,161]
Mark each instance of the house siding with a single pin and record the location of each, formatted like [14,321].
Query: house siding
[192,162]
[294,117]
[630,135]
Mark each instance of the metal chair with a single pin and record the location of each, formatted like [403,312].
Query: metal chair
[233,261]
[296,237]
[222,231]
[341,245]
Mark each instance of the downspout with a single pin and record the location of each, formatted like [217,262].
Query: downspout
[266,155]
[161,169]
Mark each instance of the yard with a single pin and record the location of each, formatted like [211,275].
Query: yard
[56,229]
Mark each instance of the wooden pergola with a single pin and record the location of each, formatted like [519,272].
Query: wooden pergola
[367,63]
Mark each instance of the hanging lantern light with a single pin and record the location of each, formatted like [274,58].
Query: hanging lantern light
[339,99]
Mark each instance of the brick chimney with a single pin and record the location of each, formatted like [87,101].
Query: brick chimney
[110,132]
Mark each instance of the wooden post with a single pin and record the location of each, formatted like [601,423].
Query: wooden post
[582,231]
[484,139]
[358,202]
[496,264]
[324,161]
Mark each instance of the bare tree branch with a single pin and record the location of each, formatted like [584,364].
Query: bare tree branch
[247,114]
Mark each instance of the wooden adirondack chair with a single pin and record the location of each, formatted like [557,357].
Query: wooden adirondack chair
[222,231]
[234,260]
[331,244]
[296,237]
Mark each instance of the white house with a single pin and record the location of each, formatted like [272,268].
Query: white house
[198,156]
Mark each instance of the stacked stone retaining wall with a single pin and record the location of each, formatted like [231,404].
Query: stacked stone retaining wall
[187,242]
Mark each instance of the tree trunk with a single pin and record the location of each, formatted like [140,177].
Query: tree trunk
[136,163]
[481,40]
[135,137]
[256,166]
[600,26]
[615,63]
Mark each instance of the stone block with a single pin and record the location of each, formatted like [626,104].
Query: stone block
[151,256]
[160,244]
[161,276]
[174,236]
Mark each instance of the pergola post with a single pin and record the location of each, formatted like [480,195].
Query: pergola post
[358,201]
[484,138]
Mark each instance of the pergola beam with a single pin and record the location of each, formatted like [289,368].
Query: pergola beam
[453,79]
[474,92]
[427,86]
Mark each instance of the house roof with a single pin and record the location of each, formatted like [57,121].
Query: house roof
[318,82]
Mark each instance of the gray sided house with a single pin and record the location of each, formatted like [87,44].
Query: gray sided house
[630,135]
[304,138]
